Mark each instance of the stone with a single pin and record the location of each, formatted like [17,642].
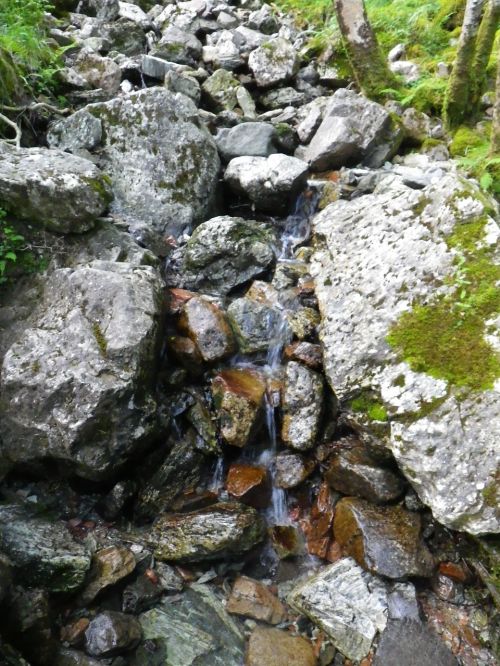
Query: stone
[383,540]
[109,565]
[74,633]
[42,553]
[396,53]
[111,633]
[270,183]
[410,643]
[126,37]
[29,622]
[178,46]
[257,326]
[292,469]
[373,261]
[98,71]
[142,593]
[304,322]
[5,577]
[273,647]
[307,353]
[220,90]
[196,630]
[317,527]
[73,134]
[347,603]
[417,125]
[249,484]
[223,52]
[410,71]
[354,471]
[255,139]
[133,12]
[245,102]
[111,505]
[287,541]
[106,10]
[252,598]
[309,118]
[353,130]
[274,62]
[162,162]
[238,396]
[207,326]
[302,406]
[263,20]
[179,82]
[222,253]
[281,98]
[217,532]
[77,376]
[30,177]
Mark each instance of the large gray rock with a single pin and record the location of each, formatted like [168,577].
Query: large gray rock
[178,46]
[353,130]
[43,553]
[378,256]
[274,62]
[270,183]
[77,376]
[162,162]
[62,192]
[347,603]
[409,642]
[255,139]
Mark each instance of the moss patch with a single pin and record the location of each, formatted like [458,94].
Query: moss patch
[100,339]
[368,405]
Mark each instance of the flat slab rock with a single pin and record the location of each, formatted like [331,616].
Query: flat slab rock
[375,256]
[273,647]
[410,643]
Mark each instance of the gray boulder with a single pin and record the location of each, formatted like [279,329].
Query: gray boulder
[178,46]
[98,71]
[391,265]
[223,50]
[302,406]
[81,131]
[106,10]
[256,325]
[409,642]
[220,90]
[353,130]
[270,183]
[274,62]
[62,192]
[112,633]
[254,139]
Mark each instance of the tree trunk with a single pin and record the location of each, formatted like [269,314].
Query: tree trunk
[485,41]
[458,96]
[365,56]
[495,128]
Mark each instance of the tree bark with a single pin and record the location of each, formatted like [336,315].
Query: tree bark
[365,56]
[484,46]
[458,95]
[495,128]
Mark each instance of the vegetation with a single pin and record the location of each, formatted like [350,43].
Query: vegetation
[367,404]
[11,244]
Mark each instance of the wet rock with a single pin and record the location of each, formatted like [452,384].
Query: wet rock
[109,565]
[10,656]
[195,631]
[142,593]
[222,254]
[220,90]
[249,484]
[411,643]
[77,376]
[30,176]
[178,46]
[353,471]
[273,647]
[353,130]
[168,578]
[28,622]
[256,325]
[217,532]
[43,553]
[74,633]
[292,469]
[275,62]
[306,353]
[383,540]
[317,527]
[432,421]
[286,541]
[111,633]
[206,325]
[304,322]
[239,399]
[113,503]
[270,183]
[255,139]
[302,404]
[251,598]
[5,577]
[98,71]
[347,603]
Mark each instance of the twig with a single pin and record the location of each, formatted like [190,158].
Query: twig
[35,107]
[15,127]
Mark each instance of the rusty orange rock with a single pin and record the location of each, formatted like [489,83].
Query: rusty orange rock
[251,598]
[249,484]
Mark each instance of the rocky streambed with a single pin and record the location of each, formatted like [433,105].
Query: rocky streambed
[246,415]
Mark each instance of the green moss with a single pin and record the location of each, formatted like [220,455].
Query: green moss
[464,140]
[100,339]
[368,405]
[102,186]
[491,494]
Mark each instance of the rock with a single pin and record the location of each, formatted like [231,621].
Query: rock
[106,10]
[42,553]
[306,353]
[220,90]
[222,254]
[184,84]
[74,633]
[287,541]
[132,12]
[142,593]
[28,623]
[417,125]
[254,139]
[396,53]
[112,633]
[163,164]
[251,598]
[126,37]
[194,631]
[304,322]
[246,103]
[30,177]
[354,471]
[186,353]
[270,183]
[78,132]
[249,484]
[112,504]
[383,540]
[68,657]
[178,46]
[362,297]
[109,565]
[280,98]
[263,20]
[410,71]
[223,52]
[217,532]
[317,527]
[206,325]
[353,130]
[5,577]
[292,469]
[77,378]
[257,326]
[273,647]
[238,397]
[302,404]
[411,643]
[347,603]
[168,577]
[98,72]
[310,117]
[274,62]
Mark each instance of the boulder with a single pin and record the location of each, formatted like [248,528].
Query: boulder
[433,390]
[292,469]
[111,633]
[353,130]
[77,375]
[220,90]
[254,139]
[207,326]
[274,647]
[61,192]
[109,565]
[409,642]
[270,183]
[106,10]
[178,46]
[43,553]
[307,353]
[249,484]
[251,598]
[274,62]
[257,325]
[220,531]
[81,131]
[302,406]
[223,51]
[98,71]
[263,20]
